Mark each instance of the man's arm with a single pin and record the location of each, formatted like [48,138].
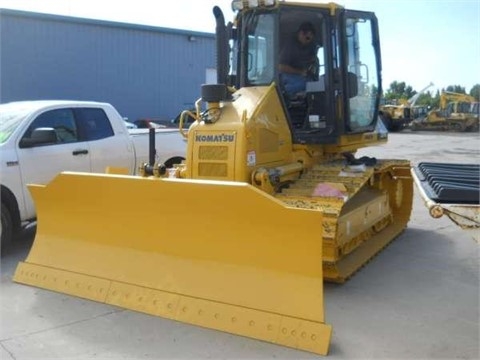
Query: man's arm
[285,68]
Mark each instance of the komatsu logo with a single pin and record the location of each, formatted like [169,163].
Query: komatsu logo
[215,138]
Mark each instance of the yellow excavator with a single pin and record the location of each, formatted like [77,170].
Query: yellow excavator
[456,113]
[270,201]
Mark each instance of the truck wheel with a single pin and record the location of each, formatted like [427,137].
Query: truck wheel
[6,229]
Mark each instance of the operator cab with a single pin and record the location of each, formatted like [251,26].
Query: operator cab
[343,85]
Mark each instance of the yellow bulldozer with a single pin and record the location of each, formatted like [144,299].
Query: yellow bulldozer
[397,115]
[457,112]
[270,201]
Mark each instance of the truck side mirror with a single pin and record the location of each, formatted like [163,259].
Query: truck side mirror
[40,136]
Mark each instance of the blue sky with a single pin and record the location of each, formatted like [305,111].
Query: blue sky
[422,41]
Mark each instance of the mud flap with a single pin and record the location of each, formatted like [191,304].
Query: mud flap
[221,255]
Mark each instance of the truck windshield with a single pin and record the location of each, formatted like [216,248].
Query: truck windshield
[10,118]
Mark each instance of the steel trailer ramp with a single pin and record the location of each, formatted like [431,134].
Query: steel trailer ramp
[452,190]
[221,255]
[449,183]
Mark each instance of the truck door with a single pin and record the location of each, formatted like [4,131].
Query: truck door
[40,163]
[106,147]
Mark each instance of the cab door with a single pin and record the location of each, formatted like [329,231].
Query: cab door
[362,64]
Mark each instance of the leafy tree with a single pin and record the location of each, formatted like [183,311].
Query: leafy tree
[456,89]
[475,91]
[436,99]
[426,99]
[399,91]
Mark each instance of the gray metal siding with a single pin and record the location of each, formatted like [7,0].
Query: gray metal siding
[143,71]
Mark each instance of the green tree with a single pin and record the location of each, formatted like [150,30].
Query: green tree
[426,99]
[475,92]
[399,91]
[456,89]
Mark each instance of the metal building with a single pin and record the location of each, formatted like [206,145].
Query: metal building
[143,71]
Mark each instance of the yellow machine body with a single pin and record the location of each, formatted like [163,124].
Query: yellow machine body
[241,236]
[251,142]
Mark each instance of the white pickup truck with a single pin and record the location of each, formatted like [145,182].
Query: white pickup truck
[39,139]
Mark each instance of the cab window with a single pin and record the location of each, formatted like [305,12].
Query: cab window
[61,120]
[95,123]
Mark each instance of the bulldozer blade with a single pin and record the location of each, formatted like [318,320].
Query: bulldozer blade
[221,255]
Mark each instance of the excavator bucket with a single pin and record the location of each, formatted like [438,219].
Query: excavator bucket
[221,255]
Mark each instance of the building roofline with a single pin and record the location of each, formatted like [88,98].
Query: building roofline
[105,23]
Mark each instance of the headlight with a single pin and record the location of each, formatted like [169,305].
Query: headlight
[248,4]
